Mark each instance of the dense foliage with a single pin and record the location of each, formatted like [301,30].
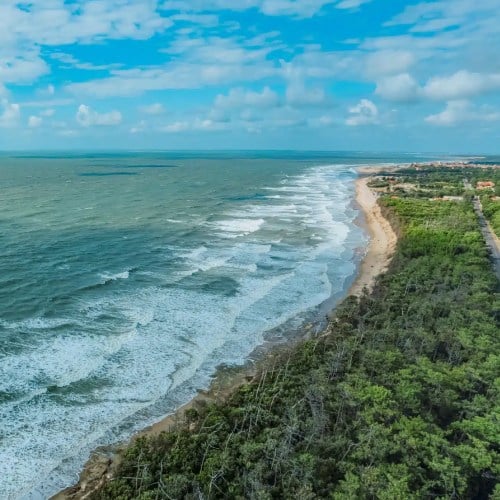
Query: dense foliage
[399,399]
[491,210]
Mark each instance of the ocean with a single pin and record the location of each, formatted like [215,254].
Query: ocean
[127,279]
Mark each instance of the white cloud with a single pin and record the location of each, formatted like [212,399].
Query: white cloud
[69,61]
[389,62]
[197,63]
[242,103]
[47,103]
[22,69]
[321,121]
[153,109]
[351,4]
[68,133]
[28,27]
[298,95]
[139,127]
[56,22]
[461,111]
[176,127]
[398,88]
[364,113]
[10,114]
[443,14]
[48,112]
[239,97]
[34,121]
[315,63]
[87,117]
[293,8]
[194,125]
[462,84]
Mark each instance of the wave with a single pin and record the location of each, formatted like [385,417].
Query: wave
[40,323]
[132,352]
[108,277]
[232,228]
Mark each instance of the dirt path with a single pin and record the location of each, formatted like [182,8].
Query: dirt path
[492,241]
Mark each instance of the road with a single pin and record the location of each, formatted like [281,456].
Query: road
[492,241]
[489,235]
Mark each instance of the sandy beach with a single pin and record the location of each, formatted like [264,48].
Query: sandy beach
[382,237]
[378,254]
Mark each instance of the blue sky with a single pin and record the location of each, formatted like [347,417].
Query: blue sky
[364,75]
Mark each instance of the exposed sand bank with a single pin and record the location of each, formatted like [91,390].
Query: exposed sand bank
[103,462]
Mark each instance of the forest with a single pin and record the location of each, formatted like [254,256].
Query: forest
[397,399]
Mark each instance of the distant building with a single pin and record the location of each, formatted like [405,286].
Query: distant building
[485,185]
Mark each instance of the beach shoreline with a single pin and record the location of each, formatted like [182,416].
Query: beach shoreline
[383,239]
[103,461]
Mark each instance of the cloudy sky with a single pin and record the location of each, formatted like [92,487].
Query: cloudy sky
[250,74]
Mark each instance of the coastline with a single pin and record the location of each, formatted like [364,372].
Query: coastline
[383,239]
[102,463]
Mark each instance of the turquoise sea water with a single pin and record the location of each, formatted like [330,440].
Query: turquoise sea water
[126,279]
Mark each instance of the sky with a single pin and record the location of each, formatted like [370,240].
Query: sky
[358,75]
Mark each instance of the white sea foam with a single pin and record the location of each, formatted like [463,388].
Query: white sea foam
[244,256]
[107,277]
[38,323]
[239,226]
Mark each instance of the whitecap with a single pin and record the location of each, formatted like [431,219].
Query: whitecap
[239,226]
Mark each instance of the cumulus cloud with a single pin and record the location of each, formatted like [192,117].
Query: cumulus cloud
[34,121]
[176,127]
[398,88]
[22,69]
[10,114]
[57,22]
[389,62]
[298,95]
[197,63]
[460,85]
[239,98]
[243,104]
[139,127]
[153,109]
[87,117]
[194,125]
[261,80]
[321,121]
[461,111]
[47,112]
[364,113]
